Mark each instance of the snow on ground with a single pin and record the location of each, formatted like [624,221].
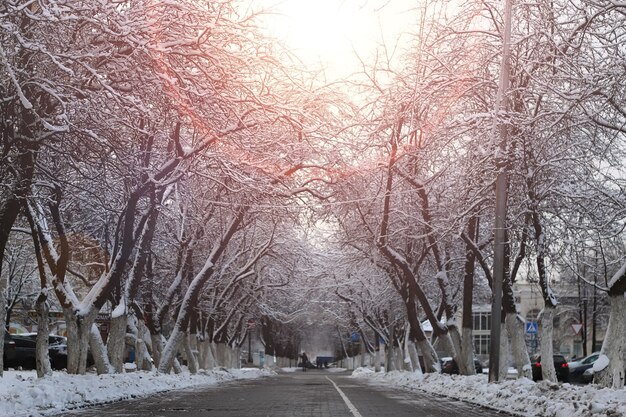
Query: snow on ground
[23,394]
[521,397]
[333,370]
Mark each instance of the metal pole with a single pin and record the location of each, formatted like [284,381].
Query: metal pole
[584,330]
[249,345]
[501,204]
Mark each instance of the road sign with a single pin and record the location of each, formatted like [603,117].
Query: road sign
[577,328]
[531,327]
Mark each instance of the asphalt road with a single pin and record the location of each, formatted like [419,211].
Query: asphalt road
[315,393]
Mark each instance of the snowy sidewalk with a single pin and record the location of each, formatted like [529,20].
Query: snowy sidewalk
[522,397]
[23,394]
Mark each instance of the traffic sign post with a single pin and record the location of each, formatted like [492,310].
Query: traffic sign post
[577,328]
[532,327]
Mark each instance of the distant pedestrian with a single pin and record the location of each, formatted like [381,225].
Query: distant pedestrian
[305,360]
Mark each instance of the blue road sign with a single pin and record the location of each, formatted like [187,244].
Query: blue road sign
[531,327]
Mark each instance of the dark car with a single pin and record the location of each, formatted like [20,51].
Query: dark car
[25,351]
[560,365]
[9,349]
[577,368]
[449,366]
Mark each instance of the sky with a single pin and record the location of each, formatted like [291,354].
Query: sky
[330,32]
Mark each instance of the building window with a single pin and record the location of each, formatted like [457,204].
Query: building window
[482,321]
[481,344]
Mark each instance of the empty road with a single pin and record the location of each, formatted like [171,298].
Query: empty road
[315,393]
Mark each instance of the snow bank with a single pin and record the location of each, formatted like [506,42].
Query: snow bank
[23,394]
[521,396]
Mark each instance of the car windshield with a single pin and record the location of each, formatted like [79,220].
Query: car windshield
[591,359]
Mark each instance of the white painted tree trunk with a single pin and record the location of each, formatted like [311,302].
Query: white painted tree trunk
[516,330]
[202,354]
[99,352]
[504,352]
[78,340]
[142,354]
[394,359]
[211,356]
[42,355]
[614,345]
[168,354]
[192,361]
[389,362]
[236,363]
[158,344]
[430,357]
[467,351]
[414,356]
[116,342]
[157,348]
[220,354]
[73,342]
[377,358]
[455,341]
[547,330]
[3,317]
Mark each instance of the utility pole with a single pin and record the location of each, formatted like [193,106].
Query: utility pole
[501,201]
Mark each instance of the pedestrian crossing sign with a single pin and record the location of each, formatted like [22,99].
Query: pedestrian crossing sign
[531,327]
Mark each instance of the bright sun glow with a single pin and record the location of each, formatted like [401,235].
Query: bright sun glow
[329,32]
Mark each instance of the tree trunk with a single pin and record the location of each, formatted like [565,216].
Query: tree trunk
[42,354]
[193,292]
[394,358]
[466,354]
[192,361]
[171,349]
[377,359]
[142,353]
[614,346]
[157,348]
[99,351]
[3,313]
[414,356]
[505,346]
[116,342]
[547,328]
[467,350]
[516,331]
[78,341]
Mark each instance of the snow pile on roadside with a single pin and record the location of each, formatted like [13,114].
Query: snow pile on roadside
[520,396]
[23,394]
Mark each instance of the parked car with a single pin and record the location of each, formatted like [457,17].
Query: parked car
[449,366]
[577,369]
[9,349]
[25,351]
[560,365]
